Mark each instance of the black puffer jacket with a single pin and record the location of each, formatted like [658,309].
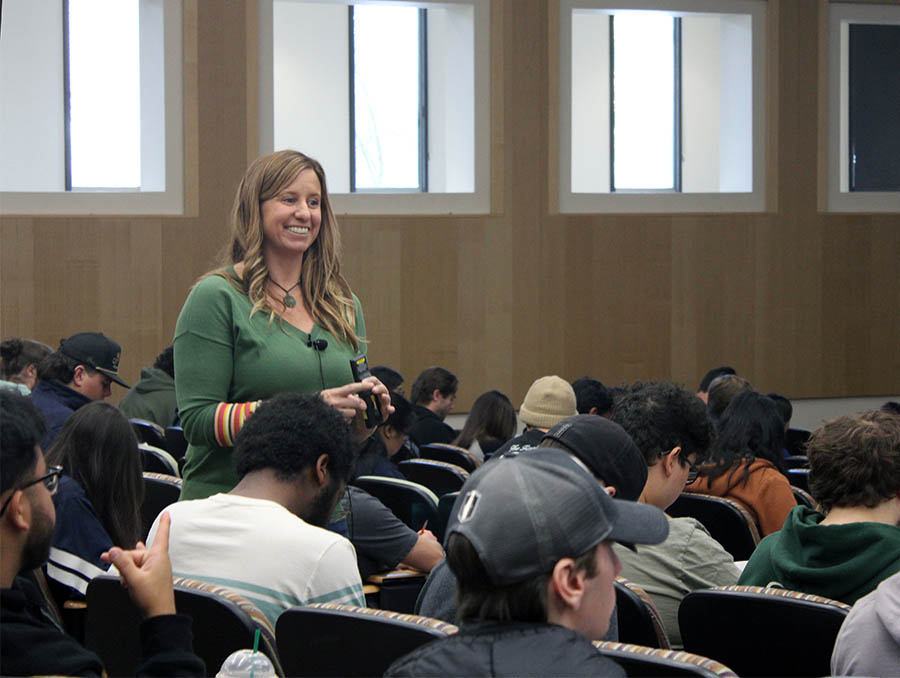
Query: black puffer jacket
[507,649]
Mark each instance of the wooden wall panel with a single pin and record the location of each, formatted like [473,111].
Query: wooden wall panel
[799,301]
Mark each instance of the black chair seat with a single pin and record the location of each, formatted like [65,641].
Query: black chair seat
[762,631]
[176,443]
[449,453]
[341,640]
[799,477]
[412,503]
[438,476]
[729,523]
[223,622]
[149,432]
[156,460]
[445,510]
[160,490]
[644,662]
[639,621]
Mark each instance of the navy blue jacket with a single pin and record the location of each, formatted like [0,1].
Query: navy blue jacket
[57,402]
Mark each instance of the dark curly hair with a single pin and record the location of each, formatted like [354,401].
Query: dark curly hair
[165,361]
[855,460]
[661,415]
[289,432]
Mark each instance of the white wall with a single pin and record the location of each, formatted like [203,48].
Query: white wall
[590,101]
[451,99]
[736,139]
[31,96]
[700,81]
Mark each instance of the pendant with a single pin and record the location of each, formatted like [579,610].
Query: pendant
[289,301]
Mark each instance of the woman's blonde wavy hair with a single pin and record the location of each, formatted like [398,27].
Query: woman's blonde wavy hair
[326,293]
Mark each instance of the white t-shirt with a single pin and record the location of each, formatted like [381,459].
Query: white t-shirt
[262,551]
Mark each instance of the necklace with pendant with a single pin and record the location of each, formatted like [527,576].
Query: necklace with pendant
[288,300]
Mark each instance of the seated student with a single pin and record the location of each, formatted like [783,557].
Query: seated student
[608,453]
[153,397]
[433,396]
[869,641]
[845,551]
[382,541]
[530,544]
[592,397]
[375,457]
[670,426]
[722,391]
[388,376]
[548,401]
[746,462]
[264,538]
[80,371]
[709,377]
[19,359]
[99,499]
[30,641]
[491,422]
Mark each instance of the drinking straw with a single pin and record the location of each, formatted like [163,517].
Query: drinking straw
[255,650]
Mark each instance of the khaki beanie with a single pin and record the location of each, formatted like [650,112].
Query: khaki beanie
[549,400]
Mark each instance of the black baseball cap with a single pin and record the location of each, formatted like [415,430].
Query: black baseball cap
[522,514]
[606,449]
[94,350]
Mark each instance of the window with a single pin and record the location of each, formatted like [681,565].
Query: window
[389,119]
[401,121]
[864,80]
[664,98]
[91,115]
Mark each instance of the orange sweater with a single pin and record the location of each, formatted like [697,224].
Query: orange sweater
[767,494]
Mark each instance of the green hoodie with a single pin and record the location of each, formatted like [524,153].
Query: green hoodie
[153,398]
[843,562]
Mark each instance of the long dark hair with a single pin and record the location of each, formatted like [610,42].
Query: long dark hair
[751,428]
[97,448]
[492,417]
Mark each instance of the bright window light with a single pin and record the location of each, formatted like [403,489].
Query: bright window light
[104,91]
[386,97]
[643,101]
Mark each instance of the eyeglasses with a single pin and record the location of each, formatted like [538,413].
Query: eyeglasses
[693,472]
[50,480]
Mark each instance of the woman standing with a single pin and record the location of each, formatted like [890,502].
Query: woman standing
[276,316]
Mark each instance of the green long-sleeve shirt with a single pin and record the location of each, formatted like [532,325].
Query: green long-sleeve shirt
[224,355]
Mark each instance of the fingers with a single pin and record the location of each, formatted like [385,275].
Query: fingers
[124,564]
[161,542]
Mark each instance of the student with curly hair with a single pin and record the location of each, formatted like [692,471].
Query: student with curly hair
[264,538]
[672,429]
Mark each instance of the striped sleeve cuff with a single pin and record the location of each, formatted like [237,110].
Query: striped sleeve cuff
[230,418]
